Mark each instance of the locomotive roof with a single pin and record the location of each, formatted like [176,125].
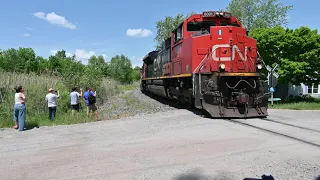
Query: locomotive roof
[150,57]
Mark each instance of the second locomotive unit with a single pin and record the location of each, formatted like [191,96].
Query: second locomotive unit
[211,63]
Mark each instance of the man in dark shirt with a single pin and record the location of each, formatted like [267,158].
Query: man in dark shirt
[90,101]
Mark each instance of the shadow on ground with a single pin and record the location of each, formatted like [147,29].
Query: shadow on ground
[31,125]
[173,104]
[197,175]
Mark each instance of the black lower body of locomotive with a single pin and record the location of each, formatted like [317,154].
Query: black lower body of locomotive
[221,96]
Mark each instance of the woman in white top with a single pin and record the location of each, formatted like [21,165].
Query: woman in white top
[19,113]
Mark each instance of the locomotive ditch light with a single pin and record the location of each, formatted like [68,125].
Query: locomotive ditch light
[222,67]
[259,66]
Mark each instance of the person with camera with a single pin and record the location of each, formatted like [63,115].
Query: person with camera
[89,99]
[19,113]
[51,99]
[75,106]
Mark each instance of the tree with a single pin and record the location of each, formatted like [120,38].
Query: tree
[43,65]
[120,68]
[11,61]
[296,51]
[98,64]
[27,59]
[168,24]
[136,73]
[259,13]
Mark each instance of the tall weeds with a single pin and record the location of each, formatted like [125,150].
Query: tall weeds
[36,87]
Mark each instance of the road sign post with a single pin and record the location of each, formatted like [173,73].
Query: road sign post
[271,82]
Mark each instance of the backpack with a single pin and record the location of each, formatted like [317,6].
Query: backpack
[91,99]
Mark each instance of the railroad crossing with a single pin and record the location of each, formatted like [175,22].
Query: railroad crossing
[272,79]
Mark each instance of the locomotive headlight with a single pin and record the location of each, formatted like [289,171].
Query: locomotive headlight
[222,66]
[259,66]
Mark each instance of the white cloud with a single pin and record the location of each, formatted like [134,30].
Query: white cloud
[53,52]
[30,29]
[104,56]
[26,34]
[139,32]
[81,55]
[53,18]
[136,61]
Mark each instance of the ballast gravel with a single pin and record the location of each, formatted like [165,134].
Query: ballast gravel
[132,103]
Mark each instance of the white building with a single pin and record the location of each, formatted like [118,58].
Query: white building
[304,89]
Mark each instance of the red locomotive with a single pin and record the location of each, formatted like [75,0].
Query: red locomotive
[211,63]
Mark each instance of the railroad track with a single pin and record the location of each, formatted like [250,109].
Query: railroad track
[266,127]
[304,131]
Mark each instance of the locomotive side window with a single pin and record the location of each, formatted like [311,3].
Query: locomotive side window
[178,34]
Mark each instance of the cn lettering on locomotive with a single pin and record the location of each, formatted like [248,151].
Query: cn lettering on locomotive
[209,62]
[235,49]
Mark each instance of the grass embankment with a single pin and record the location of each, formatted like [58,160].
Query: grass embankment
[36,88]
[296,106]
[298,103]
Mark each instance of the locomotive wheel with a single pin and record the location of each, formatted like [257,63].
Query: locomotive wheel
[175,100]
[186,101]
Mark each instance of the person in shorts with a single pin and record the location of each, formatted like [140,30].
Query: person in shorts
[91,106]
[75,106]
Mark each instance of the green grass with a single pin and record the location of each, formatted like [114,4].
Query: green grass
[129,87]
[304,102]
[297,106]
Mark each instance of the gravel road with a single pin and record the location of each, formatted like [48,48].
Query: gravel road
[169,144]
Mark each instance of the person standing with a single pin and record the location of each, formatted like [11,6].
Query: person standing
[89,98]
[19,113]
[51,98]
[75,106]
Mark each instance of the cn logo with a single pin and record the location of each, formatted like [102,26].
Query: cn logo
[235,49]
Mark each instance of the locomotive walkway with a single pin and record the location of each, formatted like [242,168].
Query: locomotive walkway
[168,145]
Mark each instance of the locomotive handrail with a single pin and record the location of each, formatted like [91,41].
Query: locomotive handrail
[255,84]
[208,57]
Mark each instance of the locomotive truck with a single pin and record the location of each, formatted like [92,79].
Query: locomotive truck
[208,62]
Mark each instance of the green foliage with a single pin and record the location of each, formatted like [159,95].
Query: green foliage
[136,73]
[37,74]
[259,13]
[168,24]
[73,72]
[296,51]
[120,69]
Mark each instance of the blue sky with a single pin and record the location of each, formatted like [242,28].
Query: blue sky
[100,27]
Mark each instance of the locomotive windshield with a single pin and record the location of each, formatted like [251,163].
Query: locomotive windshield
[227,23]
[197,26]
